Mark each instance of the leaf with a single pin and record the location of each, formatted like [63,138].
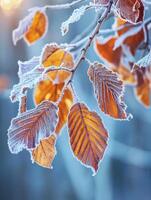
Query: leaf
[27,80]
[46,90]
[29,128]
[105,50]
[76,16]
[109,91]
[53,55]
[45,152]
[25,67]
[32,27]
[88,137]
[143,62]
[143,87]
[131,10]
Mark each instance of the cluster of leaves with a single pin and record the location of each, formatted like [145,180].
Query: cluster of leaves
[51,75]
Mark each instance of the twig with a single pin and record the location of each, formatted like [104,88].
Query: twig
[64,6]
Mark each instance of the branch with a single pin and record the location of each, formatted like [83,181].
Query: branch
[92,36]
[88,44]
[64,6]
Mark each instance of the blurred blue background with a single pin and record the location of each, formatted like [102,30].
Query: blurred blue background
[125,172]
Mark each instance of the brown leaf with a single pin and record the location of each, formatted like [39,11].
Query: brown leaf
[131,10]
[88,137]
[46,90]
[105,49]
[37,28]
[45,152]
[109,91]
[29,128]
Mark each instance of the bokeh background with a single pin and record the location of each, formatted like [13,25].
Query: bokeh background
[125,172]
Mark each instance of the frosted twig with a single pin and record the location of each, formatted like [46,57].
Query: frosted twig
[64,6]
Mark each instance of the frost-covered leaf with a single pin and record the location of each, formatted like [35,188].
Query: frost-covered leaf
[109,91]
[25,67]
[45,152]
[76,16]
[22,28]
[46,90]
[27,80]
[131,10]
[29,128]
[32,27]
[88,136]
[55,56]
[144,62]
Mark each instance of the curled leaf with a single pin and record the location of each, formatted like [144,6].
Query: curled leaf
[88,137]
[109,91]
[29,128]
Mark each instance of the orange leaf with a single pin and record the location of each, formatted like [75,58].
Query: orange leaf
[45,152]
[37,28]
[88,137]
[53,55]
[46,90]
[106,52]
[109,91]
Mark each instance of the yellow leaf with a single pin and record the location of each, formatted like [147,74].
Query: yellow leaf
[44,154]
[54,56]
[37,28]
